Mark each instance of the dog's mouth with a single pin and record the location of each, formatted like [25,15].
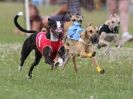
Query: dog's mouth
[116,29]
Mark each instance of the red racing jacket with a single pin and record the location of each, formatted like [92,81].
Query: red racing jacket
[42,42]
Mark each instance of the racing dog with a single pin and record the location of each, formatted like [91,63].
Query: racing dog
[109,32]
[82,48]
[46,44]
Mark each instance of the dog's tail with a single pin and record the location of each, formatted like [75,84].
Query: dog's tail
[18,26]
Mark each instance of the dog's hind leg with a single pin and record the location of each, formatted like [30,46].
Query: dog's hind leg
[26,49]
[36,62]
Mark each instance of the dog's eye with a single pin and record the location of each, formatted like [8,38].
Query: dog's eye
[74,20]
[80,21]
[91,31]
[113,22]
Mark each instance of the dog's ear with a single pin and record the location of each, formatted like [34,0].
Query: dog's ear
[115,15]
[86,36]
[50,21]
[97,28]
[89,24]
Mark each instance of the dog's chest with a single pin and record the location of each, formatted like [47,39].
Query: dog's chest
[42,42]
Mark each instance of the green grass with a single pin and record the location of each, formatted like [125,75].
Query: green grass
[117,83]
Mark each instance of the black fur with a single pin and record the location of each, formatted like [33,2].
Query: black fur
[30,44]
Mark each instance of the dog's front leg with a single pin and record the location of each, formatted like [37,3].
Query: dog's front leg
[61,54]
[67,57]
[74,63]
[116,40]
[87,55]
[98,68]
[47,54]
[104,43]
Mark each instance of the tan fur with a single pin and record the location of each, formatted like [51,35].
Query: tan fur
[106,38]
[81,49]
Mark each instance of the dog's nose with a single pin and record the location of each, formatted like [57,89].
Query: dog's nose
[95,39]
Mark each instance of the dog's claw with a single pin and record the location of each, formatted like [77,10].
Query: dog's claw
[93,54]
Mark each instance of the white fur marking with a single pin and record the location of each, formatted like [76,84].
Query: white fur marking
[60,60]
[58,24]
[20,13]
[20,68]
[53,37]
[81,40]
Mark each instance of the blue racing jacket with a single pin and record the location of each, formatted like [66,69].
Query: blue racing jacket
[74,31]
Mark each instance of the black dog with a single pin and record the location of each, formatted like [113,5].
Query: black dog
[43,43]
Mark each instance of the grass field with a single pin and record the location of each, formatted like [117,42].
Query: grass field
[117,83]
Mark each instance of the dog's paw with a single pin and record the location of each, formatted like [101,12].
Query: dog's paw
[20,14]
[20,68]
[94,54]
[90,55]
[99,70]
[56,64]
[102,71]
[29,76]
[59,62]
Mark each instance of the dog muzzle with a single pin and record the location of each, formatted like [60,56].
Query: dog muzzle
[116,29]
[59,32]
[94,39]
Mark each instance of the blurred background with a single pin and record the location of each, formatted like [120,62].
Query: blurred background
[93,11]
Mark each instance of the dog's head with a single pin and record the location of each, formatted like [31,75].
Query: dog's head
[56,27]
[91,34]
[113,23]
[77,18]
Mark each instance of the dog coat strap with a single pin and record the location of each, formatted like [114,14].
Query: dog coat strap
[105,28]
